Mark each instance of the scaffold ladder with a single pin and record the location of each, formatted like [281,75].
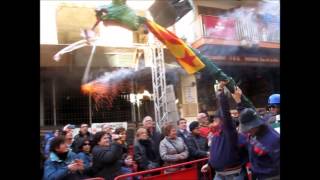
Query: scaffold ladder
[156,55]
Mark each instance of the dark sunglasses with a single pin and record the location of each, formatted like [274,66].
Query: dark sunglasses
[86,144]
[272,106]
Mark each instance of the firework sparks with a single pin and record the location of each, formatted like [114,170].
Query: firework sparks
[104,94]
[106,88]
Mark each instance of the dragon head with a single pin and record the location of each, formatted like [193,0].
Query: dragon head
[120,14]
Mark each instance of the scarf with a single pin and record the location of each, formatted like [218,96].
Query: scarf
[62,156]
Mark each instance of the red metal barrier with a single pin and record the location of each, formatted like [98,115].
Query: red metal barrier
[185,173]
[248,167]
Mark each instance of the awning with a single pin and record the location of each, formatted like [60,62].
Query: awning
[233,53]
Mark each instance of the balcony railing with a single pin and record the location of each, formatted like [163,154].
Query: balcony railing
[237,29]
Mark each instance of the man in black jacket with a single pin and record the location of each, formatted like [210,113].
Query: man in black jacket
[154,135]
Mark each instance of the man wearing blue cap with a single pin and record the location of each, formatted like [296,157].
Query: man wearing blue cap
[263,143]
[273,116]
[274,105]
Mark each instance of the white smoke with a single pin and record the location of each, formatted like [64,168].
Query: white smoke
[258,23]
[270,7]
[116,76]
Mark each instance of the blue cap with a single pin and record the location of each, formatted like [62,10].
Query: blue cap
[274,99]
[69,126]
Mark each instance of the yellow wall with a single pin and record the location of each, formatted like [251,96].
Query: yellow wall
[71,19]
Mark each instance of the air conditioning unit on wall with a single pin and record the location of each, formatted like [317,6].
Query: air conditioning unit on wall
[168,12]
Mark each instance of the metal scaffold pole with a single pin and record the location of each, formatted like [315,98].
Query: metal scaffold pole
[155,53]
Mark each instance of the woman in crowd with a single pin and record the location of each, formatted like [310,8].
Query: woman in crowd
[106,156]
[144,152]
[172,149]
[127,160]
[85,153]
[62,163]
[56,133]
[198,145]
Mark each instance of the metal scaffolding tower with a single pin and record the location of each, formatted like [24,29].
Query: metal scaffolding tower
[156,56]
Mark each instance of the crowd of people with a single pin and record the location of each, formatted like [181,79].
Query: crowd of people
[237,143]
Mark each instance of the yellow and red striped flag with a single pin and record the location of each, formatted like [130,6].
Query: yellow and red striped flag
[179,49]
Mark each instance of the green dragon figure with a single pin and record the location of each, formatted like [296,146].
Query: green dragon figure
[118,13]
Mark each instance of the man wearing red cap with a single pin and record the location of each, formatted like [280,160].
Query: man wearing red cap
[225,153]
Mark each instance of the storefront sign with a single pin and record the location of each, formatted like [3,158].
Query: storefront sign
[245,59]
[189,94]
[98,126]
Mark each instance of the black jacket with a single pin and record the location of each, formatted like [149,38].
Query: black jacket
[106,161]
[145,155]
[156,138]
[198,147]
[78,139]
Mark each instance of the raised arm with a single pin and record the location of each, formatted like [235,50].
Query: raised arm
[224,107]
[241,100]
[112,155]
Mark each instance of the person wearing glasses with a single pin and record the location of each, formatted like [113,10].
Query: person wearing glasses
[83,134]
[85,153]
[86,157]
